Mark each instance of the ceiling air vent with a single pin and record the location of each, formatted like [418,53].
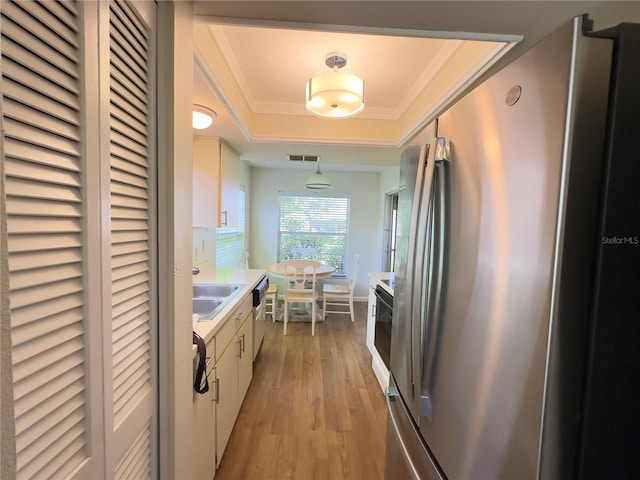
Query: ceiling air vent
[303,158]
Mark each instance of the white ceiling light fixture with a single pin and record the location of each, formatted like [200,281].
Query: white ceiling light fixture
[318,181]
[335,94]
[202,117]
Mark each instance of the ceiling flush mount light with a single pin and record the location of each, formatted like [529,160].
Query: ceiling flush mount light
[335,94]
[202,117]
[318,181]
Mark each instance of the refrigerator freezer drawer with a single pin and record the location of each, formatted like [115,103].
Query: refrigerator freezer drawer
[406,455]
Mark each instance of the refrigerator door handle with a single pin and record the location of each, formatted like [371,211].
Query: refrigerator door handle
[414,293]
[435,271]
[418,299]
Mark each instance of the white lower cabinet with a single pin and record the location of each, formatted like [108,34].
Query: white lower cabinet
[229,374]
[227,406]
[233,370]
[204,433]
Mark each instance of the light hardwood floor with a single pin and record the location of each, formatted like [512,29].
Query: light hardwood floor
[314,409]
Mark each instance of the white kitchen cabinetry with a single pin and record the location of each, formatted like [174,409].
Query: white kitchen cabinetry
[233,370]
[216,184]
[204,432]
[229,187]
[377,364]
[206,181]
[371,315]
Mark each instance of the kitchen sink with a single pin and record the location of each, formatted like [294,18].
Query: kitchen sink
[214,290]
[205,307]
[209,298]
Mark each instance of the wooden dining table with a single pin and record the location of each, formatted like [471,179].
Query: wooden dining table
[302,315]
[323,271]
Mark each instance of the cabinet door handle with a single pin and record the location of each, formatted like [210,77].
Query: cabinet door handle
[239,343]
[225,221]
[216,398]
[243,344]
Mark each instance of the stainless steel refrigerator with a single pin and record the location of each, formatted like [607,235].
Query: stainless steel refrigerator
[505,274]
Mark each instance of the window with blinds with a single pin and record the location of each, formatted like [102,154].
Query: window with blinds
[314,225]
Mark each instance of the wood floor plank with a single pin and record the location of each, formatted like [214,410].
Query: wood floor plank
[314,409]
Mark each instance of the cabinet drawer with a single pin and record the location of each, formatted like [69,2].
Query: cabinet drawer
[232,324]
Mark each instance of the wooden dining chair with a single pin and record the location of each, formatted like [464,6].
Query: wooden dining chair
[339,297]
[300,287]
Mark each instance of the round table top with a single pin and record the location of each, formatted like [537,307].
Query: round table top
[322,271]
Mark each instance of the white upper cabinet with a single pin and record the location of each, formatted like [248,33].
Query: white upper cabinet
[206,181]
[230,188]
[216,184]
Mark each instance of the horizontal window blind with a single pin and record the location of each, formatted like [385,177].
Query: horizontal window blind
[314,223]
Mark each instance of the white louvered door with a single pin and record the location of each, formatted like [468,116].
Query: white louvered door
[80,201]
[128,272]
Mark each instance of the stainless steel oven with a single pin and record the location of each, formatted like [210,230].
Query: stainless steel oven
[383,316]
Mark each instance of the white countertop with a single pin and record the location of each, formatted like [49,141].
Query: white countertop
[376,278]
[248,278]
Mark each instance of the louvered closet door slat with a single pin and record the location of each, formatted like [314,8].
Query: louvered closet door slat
[128,144]
[127,236]
[128,131]
[52,124]
[15,71]
[120,224]
[41,208]
[54,15]
[119,112]
[24,333]
[65,10]
[44,156]
[135,31]
[37,65]
[129,247]
[59,306]
[127,33]
[129,281]
[128,62]
[135,465]
[42,173]
[127,178]
[120,152]
[132,315]
[22,188]
[38,140]
[129,202]
[68,334]
[37,46]
[42,450]
[37,388]
[42,418]
[33,261]
[126,165]
[124,213]
[44,168]
[36,100]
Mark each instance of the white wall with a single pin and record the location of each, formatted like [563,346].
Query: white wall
[365,220]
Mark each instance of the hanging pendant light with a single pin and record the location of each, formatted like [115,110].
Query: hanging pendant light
[335,94]
[318,181]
